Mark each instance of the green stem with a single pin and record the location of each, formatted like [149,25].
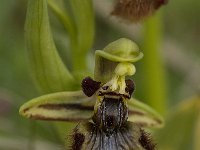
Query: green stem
[154,74]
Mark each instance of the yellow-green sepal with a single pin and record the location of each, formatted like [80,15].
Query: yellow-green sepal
[61,106]
[120,51]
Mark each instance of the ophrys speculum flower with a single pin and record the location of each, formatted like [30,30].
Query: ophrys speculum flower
[110,119]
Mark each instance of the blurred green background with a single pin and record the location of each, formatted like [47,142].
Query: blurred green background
[178,53]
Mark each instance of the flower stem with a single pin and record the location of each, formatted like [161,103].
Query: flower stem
[154,74]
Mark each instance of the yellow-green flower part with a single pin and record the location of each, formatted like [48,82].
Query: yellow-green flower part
[121,50]
[115,62]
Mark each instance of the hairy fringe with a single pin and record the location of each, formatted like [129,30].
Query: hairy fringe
[146,141]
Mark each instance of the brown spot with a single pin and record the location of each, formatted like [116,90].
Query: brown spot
[41,117]
[157,120]
[89,86]
[142,124]
[25,110]
[77,140]
[139,113]
[146,141]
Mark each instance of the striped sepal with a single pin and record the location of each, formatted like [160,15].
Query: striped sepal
[61,106]
[143,115]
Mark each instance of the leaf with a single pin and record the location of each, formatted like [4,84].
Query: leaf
[178,133]
[47,68]
[61,106]
[144,115]
[59,10]
[83,15]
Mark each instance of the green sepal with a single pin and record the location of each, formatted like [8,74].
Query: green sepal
[104,69]
[47,68]
[61,106]
[58,8]
[144,115]
[120,51]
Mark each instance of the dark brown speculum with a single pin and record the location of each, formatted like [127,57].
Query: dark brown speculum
[110,115]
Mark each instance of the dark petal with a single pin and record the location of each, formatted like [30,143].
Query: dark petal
[130,86]
[89,86]
[158,3]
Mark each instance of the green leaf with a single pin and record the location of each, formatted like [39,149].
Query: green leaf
[144,115]
[47,67]
[61,106]
[179,131]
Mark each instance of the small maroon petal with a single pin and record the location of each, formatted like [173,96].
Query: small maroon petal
[130,86]
[159,3]
[89,86]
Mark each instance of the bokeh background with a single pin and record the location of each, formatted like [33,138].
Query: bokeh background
[179,58]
